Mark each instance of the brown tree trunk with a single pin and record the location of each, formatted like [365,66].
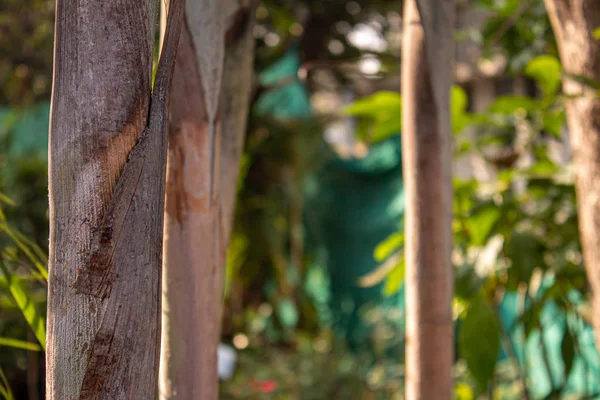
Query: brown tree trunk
[207,126]
[574,22]
[107,163]
[426,135]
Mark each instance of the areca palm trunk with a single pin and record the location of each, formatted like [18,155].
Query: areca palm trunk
[574,23]
[107,169]
[426,149]
[211,94]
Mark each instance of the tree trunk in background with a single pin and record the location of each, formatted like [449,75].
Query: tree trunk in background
[426,81]
[211,93]
[574,22]
[107,164]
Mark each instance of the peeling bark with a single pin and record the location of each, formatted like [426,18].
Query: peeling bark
[426,150]
[207,126]
[107,167]
[574,22]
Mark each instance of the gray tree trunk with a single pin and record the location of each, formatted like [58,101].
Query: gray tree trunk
[426,149]
[211,93]
[574,22]
[107,162]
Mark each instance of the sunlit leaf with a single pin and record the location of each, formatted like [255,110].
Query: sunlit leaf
[546,71]
[481,223]
[391,244]
[19,344]
[459,103]
[375,105]
[479,341]
[462,391]
[395,278]
[26,305]
[511,104]
[380,272]
[379,115]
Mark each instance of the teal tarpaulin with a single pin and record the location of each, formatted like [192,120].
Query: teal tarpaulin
[27,129]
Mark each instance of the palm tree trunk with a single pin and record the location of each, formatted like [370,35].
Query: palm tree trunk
[107,163]
[207,125]
[426,135]
[574,22]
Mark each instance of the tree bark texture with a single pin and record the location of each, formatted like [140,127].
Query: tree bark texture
[107,168]
[426,134]
[574,22]
[211,94]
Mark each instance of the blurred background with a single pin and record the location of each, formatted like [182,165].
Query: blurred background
[314,304]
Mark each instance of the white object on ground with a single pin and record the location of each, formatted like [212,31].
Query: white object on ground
[227,358]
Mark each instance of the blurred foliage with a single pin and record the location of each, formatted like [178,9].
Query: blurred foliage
[26,43]
[23,278]
[517,29]
[516,234]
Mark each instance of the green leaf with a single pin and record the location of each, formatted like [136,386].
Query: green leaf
[287,313]
[384,129]
[462,391]
[596,33]
[6,200]
[32,251]
[395,279]
[379,115]
[19,344]
[5,390]
[377,275]
[546,71]
[375,105]
[390,245]
[511,104]
[26,305]
[526,254]
[459,102]
[481,223]
[567,349]
[554,122]
[479,341]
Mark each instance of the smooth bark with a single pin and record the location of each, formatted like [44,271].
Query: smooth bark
[426,151]
[574,22]
[211,93]
[107,162]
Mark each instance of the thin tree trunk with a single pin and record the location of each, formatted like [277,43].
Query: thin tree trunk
[574,22]
[107,162]
[426,81]
[207,126]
